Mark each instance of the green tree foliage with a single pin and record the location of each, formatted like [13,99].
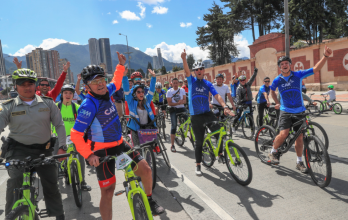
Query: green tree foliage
[163,70]
[299,44]
[190,61]
[176,68]
[217,36]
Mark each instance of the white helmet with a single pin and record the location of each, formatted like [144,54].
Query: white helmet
[158,85]
[198,65]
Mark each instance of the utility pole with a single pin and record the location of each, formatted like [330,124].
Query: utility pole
[130,69]
[287,41]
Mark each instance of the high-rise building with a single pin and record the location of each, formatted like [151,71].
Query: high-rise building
[2,62]
[94,51]
[53,64]
[160,58]
[44,62]
[155,64]
[105,54]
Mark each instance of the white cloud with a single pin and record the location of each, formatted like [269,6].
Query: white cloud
[242,46]
[172,53]
[188,24]
[137,48]
[46,45]
[128,15]
[149,25]
[142,8]
[206,26]
[5,46]
[152,2]
[199,17]
[115,22]
[160,10]
[109,13]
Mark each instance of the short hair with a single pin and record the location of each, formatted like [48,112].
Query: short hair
[174,79]
[266,78]
[44,79]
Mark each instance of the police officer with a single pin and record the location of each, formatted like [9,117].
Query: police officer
[29,118]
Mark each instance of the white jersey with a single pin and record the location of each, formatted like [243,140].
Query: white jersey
[331,93]
[222,90]
[176,96]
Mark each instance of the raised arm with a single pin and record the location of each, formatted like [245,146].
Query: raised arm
[320,64]
[149,95]
[77,87]
[253,77]
[119,72]
[56,90]
[17,63]
[186,67]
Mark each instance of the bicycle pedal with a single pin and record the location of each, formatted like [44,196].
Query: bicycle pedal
[43,213]
[119,192]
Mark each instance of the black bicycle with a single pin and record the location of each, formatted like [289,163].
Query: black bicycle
[161,122]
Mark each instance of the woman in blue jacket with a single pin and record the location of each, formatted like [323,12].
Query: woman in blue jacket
[139,105]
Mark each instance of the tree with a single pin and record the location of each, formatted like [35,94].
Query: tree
[163,70]
[176,68]
[190,60]
[299,44]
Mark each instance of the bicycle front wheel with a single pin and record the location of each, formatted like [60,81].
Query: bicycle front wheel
[163,151]
[139,207]
[318,161]
[248,127]
[241,170]
[208,157]
[21,212]
[76,184]
[179,137]
[337,108]
[317,130]
[151,160]
[264,142]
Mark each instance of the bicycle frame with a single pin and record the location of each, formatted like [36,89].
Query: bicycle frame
[243,117]
[70,159]
[188,123]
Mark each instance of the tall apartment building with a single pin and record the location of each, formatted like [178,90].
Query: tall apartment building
[2,62]
[68,78]
[44,62]
[105,54]
[94,51]
[160,58]
[155,63]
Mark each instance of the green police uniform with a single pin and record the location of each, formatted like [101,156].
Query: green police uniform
[30,133]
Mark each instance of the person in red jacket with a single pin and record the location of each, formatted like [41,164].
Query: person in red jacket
[44,85]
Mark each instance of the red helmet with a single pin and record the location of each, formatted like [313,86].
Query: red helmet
[136,75]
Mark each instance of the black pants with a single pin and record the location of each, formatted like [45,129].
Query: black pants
[199,131]
[261,109]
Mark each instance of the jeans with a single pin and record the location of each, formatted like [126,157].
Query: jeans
[174,118]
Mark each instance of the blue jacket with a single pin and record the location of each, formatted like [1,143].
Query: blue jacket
[132,103]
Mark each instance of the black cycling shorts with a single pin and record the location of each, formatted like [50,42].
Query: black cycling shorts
[106,171]
[163,107]
[286,121]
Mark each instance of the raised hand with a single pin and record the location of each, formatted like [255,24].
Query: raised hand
[66,67]
[153,74]
[183,55]
[327,51]
[79,77]
[18,64]
[125,72]
[121,58]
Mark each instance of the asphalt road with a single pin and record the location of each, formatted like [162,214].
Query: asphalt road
[276,192]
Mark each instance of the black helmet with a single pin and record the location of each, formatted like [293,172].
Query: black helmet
[68,88]
[90,72]
[281,59]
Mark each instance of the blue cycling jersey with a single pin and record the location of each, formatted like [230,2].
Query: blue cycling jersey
[199,95]
[234,89]
[291,90]
[260,96]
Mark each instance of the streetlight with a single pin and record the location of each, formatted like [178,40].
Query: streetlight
[286,14]
[127,52]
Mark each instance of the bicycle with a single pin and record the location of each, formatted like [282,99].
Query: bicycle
[247,122]
[71,168]
[25,206]
[161,123]
[184,127]
[335,106]
[134,189]
[316,155]
[270,118]
[219,112]
[235,158]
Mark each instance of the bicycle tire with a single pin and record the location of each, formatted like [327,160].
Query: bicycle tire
[324,137]
[265,121]
[151,160]
[315,155]
[179,137]
[19,211]
[124,126]
[250,125]
[322,106]
[264,142]
[164,152]
[76,184]
[233,169]
[337,108]
[164,128]
[139,207]
[207,154]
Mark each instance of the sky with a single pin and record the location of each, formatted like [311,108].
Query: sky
[168,24]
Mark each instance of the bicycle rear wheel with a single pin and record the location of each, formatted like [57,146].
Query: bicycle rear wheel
[76,184]
[320,108]
[241,171]
[264,142]
[139,207]
[248,127]
[21,212]
[208,157]
[163,151]
[179,137]
[318,161]
[151,160]
[319,131]
[337,108]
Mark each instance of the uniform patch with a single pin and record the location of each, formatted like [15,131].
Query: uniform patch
[18,113]
[44,109]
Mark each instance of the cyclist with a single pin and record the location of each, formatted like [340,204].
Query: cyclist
[244,95]
[29,118]
[68,110]
[130,81]
[223,91]
[159,98]
[77,88]
[180,83]
[199,89]
[98,123]
[147,83]
[185,86]
[289,86]
[166,86]
[176,98]
[332,95]
[263,99]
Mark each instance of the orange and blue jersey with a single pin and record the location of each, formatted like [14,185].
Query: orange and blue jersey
[105,131]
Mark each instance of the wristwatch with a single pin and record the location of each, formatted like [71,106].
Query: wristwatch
[64,147]
[226,107]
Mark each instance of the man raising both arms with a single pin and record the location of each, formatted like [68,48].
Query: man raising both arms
[289,84]
[199,89]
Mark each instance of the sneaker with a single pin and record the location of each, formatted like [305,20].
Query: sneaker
[301,167]
[198,170]
[60,217]
[172,148]
[155,208]
[274,158]
[85,187]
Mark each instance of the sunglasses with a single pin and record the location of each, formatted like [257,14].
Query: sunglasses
[266,81]
[44,85]
[140,92]
[137,79]
[242,80]
[199,69]
[97,81]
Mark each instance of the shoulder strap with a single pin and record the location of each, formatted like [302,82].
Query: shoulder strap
[74,110]
[176,93]
[60,106]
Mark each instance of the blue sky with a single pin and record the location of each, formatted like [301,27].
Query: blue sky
[169,24]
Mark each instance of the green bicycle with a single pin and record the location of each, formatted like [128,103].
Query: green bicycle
[25,206]
[72,170]
[134,189]
[183,130]
[335,106]
[236,160]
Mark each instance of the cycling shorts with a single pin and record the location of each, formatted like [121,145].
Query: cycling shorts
[286,121]
[106,171]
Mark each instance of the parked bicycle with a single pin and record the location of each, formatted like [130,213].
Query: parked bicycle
[161,122]
[184,128]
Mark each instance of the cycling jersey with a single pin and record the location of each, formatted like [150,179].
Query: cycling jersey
[199,95]
[165,89]
[105,131]
[159,97]
[291,91]
[260,96]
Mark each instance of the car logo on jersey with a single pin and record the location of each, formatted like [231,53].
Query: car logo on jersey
[110,110]
[85,113]
[288,83]
[200,90]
